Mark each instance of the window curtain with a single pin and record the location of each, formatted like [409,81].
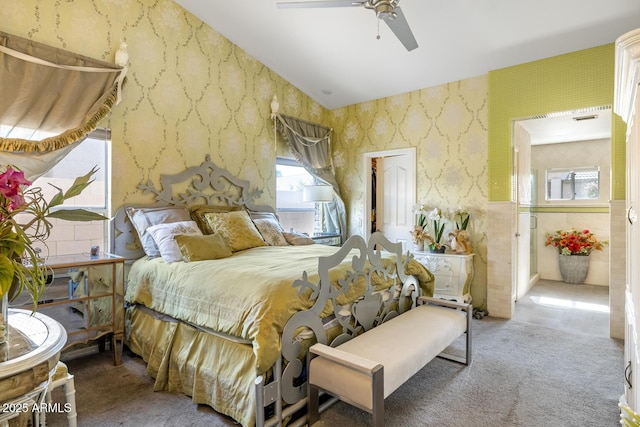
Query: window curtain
[310,144]
[50,101]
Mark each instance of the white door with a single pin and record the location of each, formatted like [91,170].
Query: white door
[396,185]
[397,218]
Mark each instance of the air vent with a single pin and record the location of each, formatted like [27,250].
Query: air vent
[589,117]
[572,112]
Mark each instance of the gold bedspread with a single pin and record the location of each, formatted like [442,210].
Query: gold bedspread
[248,295]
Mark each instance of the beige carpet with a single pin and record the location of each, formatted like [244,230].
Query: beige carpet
[521,375]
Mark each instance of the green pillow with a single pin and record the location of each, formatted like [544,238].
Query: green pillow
[199,248]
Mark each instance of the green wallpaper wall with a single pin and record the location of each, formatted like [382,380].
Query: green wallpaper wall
[190,92]
[576,80]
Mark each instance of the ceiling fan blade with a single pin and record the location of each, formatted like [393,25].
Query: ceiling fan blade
[400,28]
[316,4]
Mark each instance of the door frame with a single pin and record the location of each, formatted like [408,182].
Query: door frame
[366,159]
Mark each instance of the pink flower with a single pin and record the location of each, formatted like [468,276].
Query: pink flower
[10,182]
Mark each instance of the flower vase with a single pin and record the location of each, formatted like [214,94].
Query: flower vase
[418,247]
[573,268]
[4,318]
[439,250]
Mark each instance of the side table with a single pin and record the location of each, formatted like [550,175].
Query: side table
[86,295]
[453,274]
[29,357]
[329,239]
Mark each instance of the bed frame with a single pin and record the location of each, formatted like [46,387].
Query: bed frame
[283,395]
[203,184]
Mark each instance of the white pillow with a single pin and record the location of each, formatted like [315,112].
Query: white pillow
[143,218]
[163,235]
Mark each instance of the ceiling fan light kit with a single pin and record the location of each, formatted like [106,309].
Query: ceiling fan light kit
[386,10]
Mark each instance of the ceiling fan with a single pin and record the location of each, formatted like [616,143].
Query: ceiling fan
[387,10]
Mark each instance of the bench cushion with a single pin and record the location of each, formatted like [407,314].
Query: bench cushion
[403,345]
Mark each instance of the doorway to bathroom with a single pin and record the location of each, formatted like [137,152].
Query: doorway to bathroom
[562,170]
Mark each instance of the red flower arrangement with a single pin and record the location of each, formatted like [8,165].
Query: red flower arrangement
[574,242]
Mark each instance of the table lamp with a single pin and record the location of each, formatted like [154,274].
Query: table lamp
[317,194]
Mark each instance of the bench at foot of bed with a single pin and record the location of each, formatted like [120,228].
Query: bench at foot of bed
[366,369]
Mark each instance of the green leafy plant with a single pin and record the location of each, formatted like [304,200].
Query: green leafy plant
[24,220]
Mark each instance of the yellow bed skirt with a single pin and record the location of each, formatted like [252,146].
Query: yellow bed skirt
[182,359]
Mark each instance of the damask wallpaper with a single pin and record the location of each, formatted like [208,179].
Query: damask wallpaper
[448,126]
[190,92]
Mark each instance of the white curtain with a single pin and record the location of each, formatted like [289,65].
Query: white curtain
[50,101]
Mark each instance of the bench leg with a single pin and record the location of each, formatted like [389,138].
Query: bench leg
[313,412]
[378,397]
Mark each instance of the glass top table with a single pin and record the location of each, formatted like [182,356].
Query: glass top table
[33,339]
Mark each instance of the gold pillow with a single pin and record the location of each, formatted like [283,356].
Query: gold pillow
[197,213]
[199,248]
[236,228]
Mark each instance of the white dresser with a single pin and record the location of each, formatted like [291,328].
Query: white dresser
[453,274]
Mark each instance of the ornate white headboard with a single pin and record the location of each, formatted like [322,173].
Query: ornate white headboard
[203,184]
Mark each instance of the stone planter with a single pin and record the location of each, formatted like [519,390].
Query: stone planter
[573,268]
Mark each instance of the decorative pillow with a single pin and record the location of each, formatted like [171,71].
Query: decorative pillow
[271,231]
[199,248]
[236,228]
[263,215]
[164,234]
[143,218]
[298,239]
[198,211]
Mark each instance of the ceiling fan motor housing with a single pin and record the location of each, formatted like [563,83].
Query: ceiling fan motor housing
[383,8]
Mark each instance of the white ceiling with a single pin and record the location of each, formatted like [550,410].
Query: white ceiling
[333,55]
[569,126]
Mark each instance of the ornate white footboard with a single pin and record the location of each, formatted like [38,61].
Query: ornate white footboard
[285,393]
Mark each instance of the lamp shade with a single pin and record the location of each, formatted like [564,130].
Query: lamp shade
[317,193]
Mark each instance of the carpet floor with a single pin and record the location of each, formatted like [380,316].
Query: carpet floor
[521,375]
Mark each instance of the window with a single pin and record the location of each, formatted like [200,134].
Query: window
[294,214]
[573,184]
[69,237]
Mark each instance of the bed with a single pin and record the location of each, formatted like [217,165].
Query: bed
[226,318]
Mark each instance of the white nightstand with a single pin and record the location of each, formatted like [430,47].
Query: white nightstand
[453,274]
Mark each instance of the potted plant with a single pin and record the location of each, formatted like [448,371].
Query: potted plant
[418,234]
[459,239]
[435,240]
[574,247]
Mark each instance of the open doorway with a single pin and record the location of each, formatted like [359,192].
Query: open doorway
[569,142]
[390,194]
